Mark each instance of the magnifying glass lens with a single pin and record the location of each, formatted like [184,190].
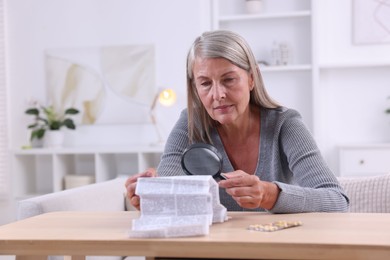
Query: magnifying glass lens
[202,159]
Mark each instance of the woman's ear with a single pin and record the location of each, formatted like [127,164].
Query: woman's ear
[251,81]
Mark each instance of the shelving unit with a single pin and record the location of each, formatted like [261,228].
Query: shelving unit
[327,85]
[281,21]
[41,171]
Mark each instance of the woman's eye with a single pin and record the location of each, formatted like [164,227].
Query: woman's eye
[229,80]
[205,84]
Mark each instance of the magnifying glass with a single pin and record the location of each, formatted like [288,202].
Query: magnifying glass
[202,159]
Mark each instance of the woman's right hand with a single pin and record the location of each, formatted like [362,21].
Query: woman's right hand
[131,184]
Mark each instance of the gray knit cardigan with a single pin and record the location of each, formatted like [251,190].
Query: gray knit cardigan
[288,157]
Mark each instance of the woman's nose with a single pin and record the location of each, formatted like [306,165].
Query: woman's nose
[219,92]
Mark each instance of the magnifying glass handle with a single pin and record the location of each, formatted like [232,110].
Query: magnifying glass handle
[219,177]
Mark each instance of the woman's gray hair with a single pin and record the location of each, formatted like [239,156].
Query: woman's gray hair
[234,48]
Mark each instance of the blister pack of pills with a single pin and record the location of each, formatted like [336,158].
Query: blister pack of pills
[274,226]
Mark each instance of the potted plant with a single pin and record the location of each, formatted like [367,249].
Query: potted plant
[47,119]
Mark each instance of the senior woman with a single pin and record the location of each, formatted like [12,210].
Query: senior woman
[270,159]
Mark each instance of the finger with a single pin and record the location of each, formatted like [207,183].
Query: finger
[135,201]
[151,172]
[238,191]
[248,191]
[133,179]
[241,181]
[224,183]
[246,197]
[128,181]
[248,204]
[148,173]
[131,183]
[235,174]
[131,190]
[251,192]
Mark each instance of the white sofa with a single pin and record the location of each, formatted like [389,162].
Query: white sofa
[103,196]
[366,194]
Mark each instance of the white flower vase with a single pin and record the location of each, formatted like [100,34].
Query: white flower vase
[37,143]
[54,139]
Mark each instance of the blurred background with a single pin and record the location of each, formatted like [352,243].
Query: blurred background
[110,59]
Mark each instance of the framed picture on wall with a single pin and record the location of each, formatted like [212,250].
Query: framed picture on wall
[106,83]
[371,21]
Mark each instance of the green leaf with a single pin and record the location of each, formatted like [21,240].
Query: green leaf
[32,111]
[38,134]
[55,125]
[71,111]
[387,111]
[69,123]
[32,126]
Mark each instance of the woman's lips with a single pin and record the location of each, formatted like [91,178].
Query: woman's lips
[222,108]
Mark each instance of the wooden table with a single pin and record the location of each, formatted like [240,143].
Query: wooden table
[322,236]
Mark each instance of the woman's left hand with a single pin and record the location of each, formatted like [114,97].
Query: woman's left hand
[249,191]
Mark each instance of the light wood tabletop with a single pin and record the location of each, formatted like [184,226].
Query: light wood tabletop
[322,236]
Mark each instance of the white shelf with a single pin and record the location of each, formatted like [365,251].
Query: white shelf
[249,17]
[286,68]
[91,149]
[364,146]
[352,65]
[41,171]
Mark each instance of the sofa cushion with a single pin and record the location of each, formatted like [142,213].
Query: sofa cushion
[368,194]
[102,196]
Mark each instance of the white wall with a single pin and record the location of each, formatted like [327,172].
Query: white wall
[34,26]
[334,32]
[353,94]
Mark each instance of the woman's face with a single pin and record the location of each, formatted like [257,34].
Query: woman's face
[223,88]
